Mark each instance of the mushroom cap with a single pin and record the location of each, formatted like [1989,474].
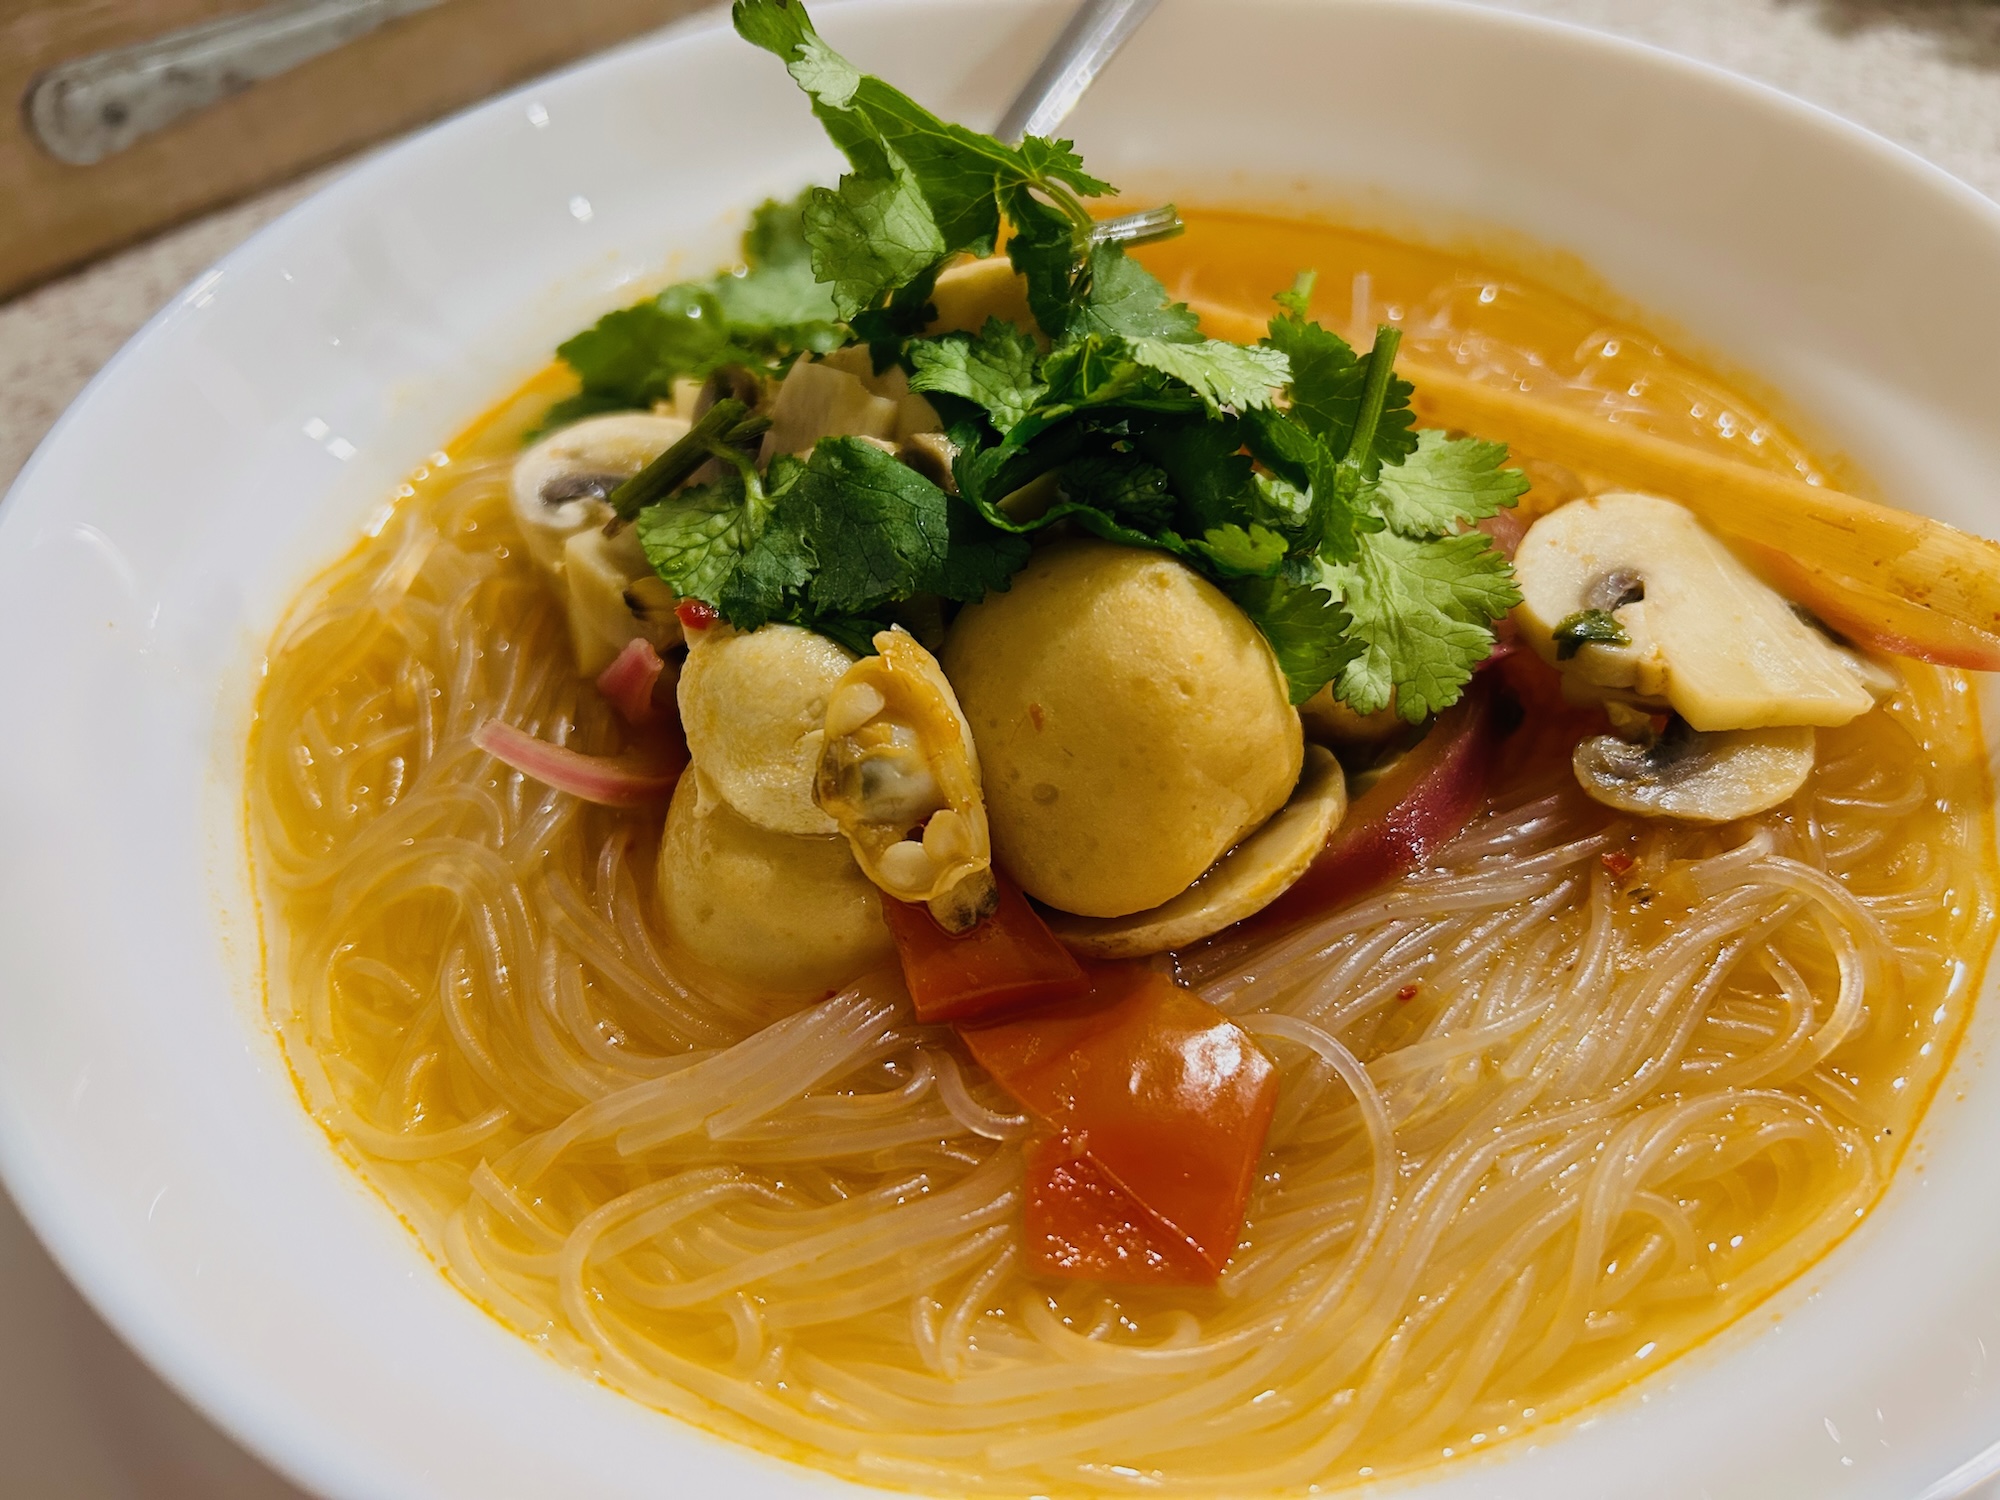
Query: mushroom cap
[559,485]
[1131,724]
[1698,778]
[772,910]
[1240,884]
[752,704]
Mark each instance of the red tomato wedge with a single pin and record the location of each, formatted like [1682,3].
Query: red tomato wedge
[1416,808]
[1157,1106]
[1010,960]
[1080,1221]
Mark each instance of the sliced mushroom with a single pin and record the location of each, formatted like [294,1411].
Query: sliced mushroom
[820,399]
[930,454]
[1697,777]
[560,485]
[898,774]
[1240,884]
[752,705]
[614,598]
[914,414]
[1701,634]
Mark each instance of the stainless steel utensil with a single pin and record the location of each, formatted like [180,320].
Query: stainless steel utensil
[1094,35]
[93,107]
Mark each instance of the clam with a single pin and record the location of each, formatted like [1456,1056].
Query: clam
[899,776]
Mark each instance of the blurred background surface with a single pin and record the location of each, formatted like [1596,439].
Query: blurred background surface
[88,252]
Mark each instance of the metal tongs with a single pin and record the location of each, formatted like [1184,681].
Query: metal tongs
[1094,35]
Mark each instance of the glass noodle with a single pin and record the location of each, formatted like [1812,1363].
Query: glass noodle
[1551,1112]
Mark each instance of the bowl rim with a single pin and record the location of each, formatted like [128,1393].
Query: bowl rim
[227,1392]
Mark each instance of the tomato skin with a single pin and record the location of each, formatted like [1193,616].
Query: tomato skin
[1080,1222]
[1008,961]
[1156,1105]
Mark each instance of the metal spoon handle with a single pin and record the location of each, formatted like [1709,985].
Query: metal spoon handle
[1094,34]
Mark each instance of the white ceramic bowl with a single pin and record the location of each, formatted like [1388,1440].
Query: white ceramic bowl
[147,1123]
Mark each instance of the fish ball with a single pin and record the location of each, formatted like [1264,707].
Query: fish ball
[773,910]
[1131,723]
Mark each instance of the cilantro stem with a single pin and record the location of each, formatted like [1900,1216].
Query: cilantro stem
[1161,223]
[1374,394]
[721,427]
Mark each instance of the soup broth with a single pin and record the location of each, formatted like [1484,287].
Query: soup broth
[1551,1112]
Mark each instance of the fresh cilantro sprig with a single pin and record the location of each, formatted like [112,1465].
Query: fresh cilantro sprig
[1289,472]
[721,433]
[920,190]
[762,315]
[832,542]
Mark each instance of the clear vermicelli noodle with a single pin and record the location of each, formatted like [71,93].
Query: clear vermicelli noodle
[1550,1112]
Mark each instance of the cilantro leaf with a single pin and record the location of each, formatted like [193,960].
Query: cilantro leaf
[1445,484]
[1058,162]
[1043,248]
[1289,449]
[762,315]
[1235,552]
[1128,301]
[1329,385]
[1588,627]
[1278,503]
[843,534]
[865,529]
[1222,374]
[632,357]
[1299,298]
[1423,611]
[871,234]
[881,531]
[930,184]
[1307,629]
[1213,479]
[996,370]
[1326,386]
[696,539]
[1121,485]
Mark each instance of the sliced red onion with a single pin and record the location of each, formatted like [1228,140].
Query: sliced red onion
[606,780]
[628,682]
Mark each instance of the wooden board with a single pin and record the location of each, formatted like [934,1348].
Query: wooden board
[53,215]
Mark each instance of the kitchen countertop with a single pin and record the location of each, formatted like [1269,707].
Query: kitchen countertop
[81,1418]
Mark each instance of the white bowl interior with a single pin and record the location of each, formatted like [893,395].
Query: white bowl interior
[148,1125]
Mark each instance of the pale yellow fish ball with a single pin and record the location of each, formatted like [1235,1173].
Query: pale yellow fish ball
[775,911]
[1132,725]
